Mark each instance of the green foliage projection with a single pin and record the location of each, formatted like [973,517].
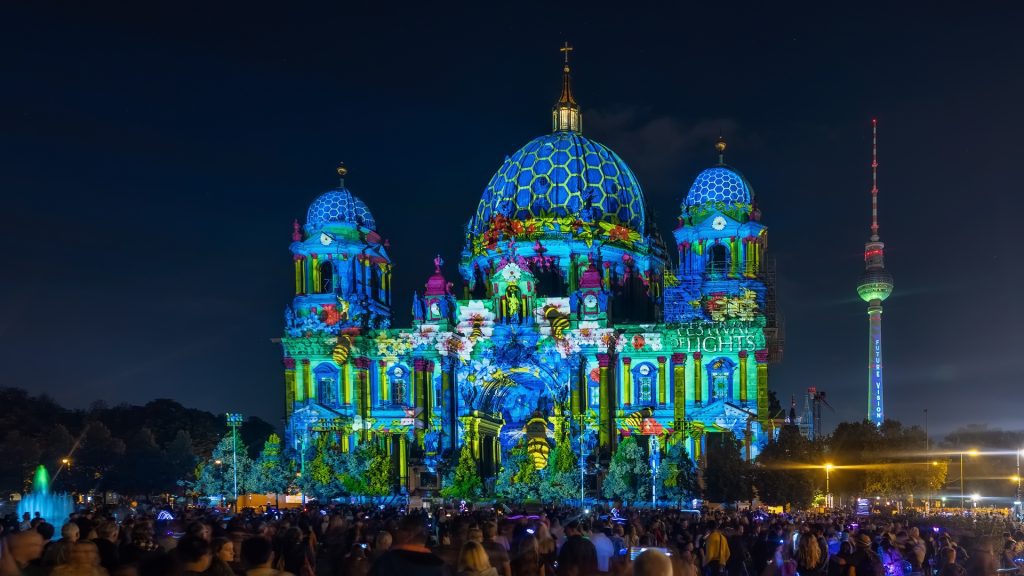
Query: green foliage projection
[629,474]
[465,481]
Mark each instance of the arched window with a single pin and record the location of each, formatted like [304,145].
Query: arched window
[326,278]
[645,377]
[399,376]
[718,260]
[720,371]
[326,377]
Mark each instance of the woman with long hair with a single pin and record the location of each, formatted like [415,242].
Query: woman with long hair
[808,555]
[526,557]
[473,560]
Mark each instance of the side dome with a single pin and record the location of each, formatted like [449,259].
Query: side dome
[719,184]
[339,206]
[556,175]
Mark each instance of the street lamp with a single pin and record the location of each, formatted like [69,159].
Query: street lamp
[1016,499]
[234,421]
[828,491]
[963,498]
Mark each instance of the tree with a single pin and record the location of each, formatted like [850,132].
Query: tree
[18,457]
[181,461]
[629,474]
[466,482]
[217,474]
[269,474]
[518,479]
[726,473]
[97,454]
[906,473]
[678,475]
[367,471]
[561,478]
[143,468]
[788,469]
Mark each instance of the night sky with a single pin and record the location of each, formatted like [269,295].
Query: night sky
[155,154]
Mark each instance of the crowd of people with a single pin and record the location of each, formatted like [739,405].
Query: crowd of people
[384,541]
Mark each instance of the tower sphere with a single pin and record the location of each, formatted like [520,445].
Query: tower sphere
[874,284]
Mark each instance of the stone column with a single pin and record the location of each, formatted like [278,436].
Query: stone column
[289,385]
[627,382]
[698,385]
[679,387]
[307,379]
[346,389]
[743,377]
[662,388]
[363,394]
[314,267]
[606,420]
[761,356]
[384,390]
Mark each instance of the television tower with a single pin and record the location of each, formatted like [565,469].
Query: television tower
[875,286]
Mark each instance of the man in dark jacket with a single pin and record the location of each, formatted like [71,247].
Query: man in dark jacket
[410,555]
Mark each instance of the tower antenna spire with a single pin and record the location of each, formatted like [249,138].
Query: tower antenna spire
[874,179]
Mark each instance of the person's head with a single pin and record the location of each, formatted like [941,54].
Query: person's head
[948,555]
[475,534]
[256,552]
[69,532]
[525,547]
[383,541]
[652,562]
[224,549]
[411,531]
[26,517]
[194,553]
[572,528]
[84,553]
[46,530]
[200,530]
[25,547]
[473,557]
[108,531]
[488,530]
[142,533]
[577,557]
[292,536]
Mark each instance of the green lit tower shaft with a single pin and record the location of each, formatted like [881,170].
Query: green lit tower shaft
[875,286]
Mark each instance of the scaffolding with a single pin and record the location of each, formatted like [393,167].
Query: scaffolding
[775,323]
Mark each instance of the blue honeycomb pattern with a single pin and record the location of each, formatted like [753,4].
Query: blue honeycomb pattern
[554,175]
[718,184]
[339,206]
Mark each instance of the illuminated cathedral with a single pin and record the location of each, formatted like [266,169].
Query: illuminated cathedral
[570,316]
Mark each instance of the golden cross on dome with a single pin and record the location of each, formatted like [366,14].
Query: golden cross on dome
[565,49]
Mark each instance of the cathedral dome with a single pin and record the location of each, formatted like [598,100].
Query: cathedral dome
[719,184]
[339,206]
[556,175]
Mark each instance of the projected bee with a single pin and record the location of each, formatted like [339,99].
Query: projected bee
[341,349]
[559,321]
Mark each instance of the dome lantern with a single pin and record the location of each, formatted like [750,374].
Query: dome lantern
[566,116]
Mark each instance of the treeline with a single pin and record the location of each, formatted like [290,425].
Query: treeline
[148,449]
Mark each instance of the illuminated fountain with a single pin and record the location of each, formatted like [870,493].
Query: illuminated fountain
[54,508]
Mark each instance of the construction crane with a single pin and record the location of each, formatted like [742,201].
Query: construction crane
[811,422]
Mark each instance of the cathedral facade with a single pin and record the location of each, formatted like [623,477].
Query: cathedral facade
[570,317]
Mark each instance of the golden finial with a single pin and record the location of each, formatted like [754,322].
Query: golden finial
[720,148]
[341,174]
